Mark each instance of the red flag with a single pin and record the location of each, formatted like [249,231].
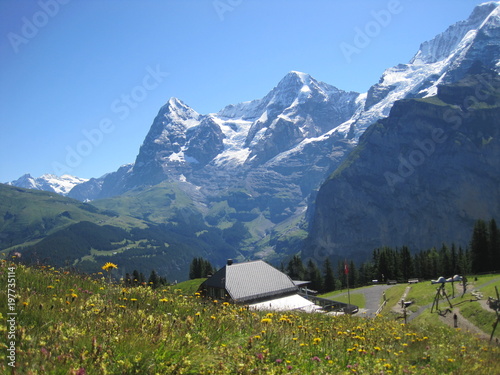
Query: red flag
[346,268]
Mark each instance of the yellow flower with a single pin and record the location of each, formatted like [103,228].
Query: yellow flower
[164,300]
[317,340]
[50,287]
[266,320]
[109,266]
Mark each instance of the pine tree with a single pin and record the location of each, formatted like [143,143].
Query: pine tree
[154,280]
[445,261]
[454,260]
[135,278]
[195,269]
[295,268]
[494,245]
[341,276]
[329,279]
[479,247]
[206,268]
[407,269]
[314,276]
[353,275]
[200,268]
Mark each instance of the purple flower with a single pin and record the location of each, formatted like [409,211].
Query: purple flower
[279,360]
[260,356]
[316,358]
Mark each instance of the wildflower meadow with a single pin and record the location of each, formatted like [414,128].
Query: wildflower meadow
[86,324]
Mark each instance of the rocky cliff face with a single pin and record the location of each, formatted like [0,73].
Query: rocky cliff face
[420,177]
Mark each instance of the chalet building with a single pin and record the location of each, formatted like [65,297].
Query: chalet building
[258,285]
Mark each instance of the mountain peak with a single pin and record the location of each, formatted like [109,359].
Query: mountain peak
[443,45]
[304,77]
[295,79]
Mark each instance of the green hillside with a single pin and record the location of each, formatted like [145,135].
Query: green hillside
[26,216]
[51,229]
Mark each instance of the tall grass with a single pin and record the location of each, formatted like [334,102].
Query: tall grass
[76,324]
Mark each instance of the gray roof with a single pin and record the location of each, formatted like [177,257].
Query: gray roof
[251,281]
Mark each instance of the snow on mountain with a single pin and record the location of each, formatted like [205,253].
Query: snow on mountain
[444,59]
[302,124]
[445,44]
[235,131]
[298,108]
[48,182]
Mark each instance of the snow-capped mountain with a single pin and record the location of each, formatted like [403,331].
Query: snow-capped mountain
[302,127]
[267,157]
[444,59]
[238,140]
[48,182]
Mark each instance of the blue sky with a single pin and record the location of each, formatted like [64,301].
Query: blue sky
[82,80]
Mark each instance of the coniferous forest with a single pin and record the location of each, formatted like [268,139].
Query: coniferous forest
[401,264]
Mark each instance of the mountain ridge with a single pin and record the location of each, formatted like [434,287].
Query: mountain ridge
[256,167]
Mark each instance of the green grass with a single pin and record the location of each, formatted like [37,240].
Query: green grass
[393,296]
[68,323]
[481,318]
[356,299]
[157,204]
[189,286]
[489,290]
